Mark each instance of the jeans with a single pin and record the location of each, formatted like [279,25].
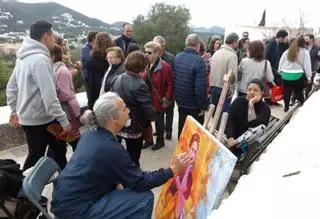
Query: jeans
[124,203]
[169,117]
[183,113]
[38,138]
[215,95]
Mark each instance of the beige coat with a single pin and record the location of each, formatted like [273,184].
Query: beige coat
[221,62]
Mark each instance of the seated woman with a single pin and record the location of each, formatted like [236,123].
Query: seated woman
[247,112]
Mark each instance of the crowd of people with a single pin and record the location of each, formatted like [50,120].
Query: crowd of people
[128,87]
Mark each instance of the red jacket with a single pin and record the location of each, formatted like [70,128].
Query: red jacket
[162,85]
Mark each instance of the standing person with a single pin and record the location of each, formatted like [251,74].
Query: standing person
[314,51]
[190,80]
[66,93]
[97,66]
[160,82]
[132,88]
[85,55]
[126,37]
[295,68]
[274,53]
[32,97]
[215,45]
[222,61]
[169,112]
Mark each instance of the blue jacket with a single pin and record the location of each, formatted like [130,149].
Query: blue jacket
[85,54]
[190,80]
[94,170]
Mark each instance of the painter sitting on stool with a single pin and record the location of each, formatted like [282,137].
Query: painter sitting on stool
[101,181]
[247,112]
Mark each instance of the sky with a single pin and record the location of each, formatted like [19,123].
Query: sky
[205,13]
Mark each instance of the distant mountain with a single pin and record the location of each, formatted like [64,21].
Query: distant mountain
[18,16]
[214,30]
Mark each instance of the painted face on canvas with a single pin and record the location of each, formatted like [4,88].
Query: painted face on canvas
[194,150]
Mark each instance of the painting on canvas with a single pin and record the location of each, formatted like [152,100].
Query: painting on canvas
[194,192]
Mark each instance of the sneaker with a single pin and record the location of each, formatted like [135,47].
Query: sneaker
[286,109]
[168,136]
[147,144]
[157,146]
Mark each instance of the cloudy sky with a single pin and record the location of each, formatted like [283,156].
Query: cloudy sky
[205,13]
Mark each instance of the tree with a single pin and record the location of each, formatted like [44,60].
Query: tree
[169,21]
[5,72]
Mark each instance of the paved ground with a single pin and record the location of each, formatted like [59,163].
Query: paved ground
[150,160]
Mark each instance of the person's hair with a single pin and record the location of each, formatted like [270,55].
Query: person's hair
[294,48]
[136,62]
[104,108]
[257,50]
[91,35]
[212,43]
[282,33]
[291,41]
[156,47]
[118,52]
[192,40]
[160,40]
[202,49]
[125,24]
[56,53]
[132,47]
[39,28]
[232,38]
[311,36]
[195,137]
[245,33]
[59,40]
[102,42]
[258,82]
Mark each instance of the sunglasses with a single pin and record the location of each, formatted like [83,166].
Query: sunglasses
[148,52]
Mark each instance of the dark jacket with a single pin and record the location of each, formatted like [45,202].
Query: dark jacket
[97,67]
[94,170]
[115,71]
[168,58]
[85,54]
[315,57]
[237,122]
[136,95]
[190,80]
[273,55]
[123,42]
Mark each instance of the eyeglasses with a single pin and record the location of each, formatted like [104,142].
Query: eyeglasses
[147,52]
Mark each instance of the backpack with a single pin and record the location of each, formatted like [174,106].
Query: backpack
[10,177]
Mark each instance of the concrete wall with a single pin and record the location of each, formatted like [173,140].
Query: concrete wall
[10,137]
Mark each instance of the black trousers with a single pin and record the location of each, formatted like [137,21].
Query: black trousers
[293,86]
[134,147]
[169,117]
[183,113]
[309,86]
[159,123]
[38,138]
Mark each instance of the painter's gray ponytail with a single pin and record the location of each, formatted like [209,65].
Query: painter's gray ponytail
[104,107]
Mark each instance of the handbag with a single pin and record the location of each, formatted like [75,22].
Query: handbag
[277,93]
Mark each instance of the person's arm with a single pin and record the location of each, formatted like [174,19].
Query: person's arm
[200,85]
[233,66]
[12,92]
[307,65]
[262,117]
[143,97]
[43,77]
[269,74]
[131,176]
[63,82]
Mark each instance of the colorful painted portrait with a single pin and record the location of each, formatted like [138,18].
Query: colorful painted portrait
[194,192]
